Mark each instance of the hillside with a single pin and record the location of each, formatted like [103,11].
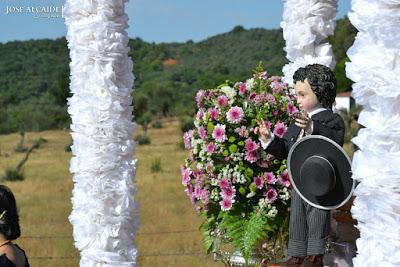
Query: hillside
[35,73]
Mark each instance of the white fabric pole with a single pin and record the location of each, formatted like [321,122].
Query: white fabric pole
[375,69]
[306,23]
[104,215]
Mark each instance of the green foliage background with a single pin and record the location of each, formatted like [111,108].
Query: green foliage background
[34,74]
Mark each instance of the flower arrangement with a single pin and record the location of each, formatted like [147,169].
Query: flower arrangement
[239,188]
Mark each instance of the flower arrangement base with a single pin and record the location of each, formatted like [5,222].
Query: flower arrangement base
[223,251]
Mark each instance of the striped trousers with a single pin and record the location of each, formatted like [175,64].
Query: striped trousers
[308,228]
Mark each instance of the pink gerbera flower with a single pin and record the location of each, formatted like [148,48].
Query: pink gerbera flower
[258,181]
[235,114]
[214,113]
[284,179]
[271,195]
[222,100]
[211,147]
[226,204]
[228,192]
[185,175]
[279,129]
[250,145]
[291,109]
[251,156]
[242,88]
[223,183]
[219,133]
[202,132]
[270,178]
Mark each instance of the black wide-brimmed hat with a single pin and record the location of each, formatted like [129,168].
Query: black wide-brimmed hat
[320,172]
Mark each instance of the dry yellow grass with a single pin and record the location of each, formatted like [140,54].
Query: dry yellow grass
[168,233]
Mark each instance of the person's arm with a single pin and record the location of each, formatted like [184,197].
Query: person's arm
[332,128]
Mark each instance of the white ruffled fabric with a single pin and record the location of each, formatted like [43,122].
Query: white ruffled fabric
[104,214]
[375,69]
[306,23]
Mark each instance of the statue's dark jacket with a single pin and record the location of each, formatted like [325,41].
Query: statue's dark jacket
[325,123]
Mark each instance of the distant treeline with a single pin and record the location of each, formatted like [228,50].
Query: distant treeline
[34,74]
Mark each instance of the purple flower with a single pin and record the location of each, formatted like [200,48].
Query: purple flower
[222,100]
[271,195]
[226,204]
[274,78]
[235,114]
[271,99]
[269,178]
[187,137]
[214,113]
[277,86]
[252,96]
[219,133]
[258,181]
[280,129]
[205,196]
[185,175]
[202,132]
[200,114]
[251,156]
[197,192]
[199,98]
[242,131]
[211,147]
[262,163]
[284,179]
[223,183]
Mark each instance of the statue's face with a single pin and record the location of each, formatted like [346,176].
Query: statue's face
[306,98]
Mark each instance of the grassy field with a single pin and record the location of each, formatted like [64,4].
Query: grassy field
[168,233]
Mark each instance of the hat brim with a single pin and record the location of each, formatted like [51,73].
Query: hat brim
[320,145]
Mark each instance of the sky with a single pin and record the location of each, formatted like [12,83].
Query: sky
[151,20]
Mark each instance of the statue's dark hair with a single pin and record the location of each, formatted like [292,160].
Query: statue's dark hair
[9,223]
[322,82]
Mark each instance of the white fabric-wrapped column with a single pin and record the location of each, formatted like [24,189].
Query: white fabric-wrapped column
[306,23]
[104,215]
[375,69]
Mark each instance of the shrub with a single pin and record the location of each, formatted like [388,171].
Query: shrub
[142,139]
[186,123]
[12,175]
[157,124]
[156,165]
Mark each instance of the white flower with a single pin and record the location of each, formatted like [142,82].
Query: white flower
[229,92]
[250,83]
[261,203]
[272,212]
[251,194]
